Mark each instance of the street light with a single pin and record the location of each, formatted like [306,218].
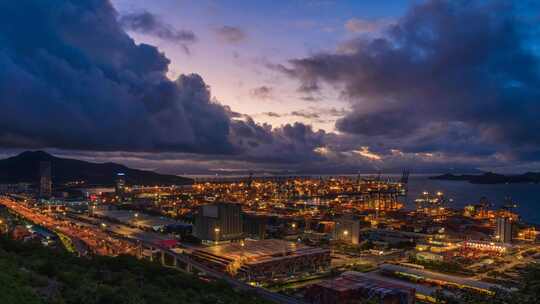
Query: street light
[217,230]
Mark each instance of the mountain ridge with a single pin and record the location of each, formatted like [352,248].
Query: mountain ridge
[24,167]
[492,178]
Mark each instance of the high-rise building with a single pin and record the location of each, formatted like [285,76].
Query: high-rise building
[347,229]
[120,185]
[254,226]
[218,223]
[45,180]
[503,231]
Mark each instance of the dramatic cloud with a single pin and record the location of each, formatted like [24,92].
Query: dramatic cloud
[305,114]
[230,34]
[147,23]
[450,85]
[289,144]
[311,113]
[262,92]
[458,78]
[71,78]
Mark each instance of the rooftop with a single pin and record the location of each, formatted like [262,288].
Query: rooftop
[254,252]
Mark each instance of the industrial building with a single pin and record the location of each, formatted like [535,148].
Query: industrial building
[503,231]
[487,246]
[263,260]
[218,223]
[352,286]
[347,229]
[254,226]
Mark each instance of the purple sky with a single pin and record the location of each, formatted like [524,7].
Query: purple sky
[269,32]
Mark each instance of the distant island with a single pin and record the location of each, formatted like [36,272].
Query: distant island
[492,178]
[24,168]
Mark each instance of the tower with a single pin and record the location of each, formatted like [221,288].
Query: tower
[45,182]
[120,185]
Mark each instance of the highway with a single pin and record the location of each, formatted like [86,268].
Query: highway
[101,240]
[98,241]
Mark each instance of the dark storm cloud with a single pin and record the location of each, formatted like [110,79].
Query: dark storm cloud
[262,92]
[305,114]
[290,143]
[447,69]
[148,23]
[71,78]
[230,34]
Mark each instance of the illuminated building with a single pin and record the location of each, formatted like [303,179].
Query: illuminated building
[469,211]
[429,256]
[352,287]
[347,229]
[431,205]
[529,234]
[217,223]
[45,181]
[3,226]
[263,260]
[486,246]
[120,186]
[503,232]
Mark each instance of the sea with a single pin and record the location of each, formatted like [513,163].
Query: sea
[525,195]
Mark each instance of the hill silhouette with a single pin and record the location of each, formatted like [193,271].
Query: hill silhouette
[492,178]
[25,168]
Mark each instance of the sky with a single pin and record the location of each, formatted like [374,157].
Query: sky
[298,86]
[260,33]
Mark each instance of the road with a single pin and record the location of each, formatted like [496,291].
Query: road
[99,239]
[121,229]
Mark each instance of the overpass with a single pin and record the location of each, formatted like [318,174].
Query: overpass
[183,262]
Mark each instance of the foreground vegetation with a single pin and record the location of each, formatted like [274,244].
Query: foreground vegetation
[32,274]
